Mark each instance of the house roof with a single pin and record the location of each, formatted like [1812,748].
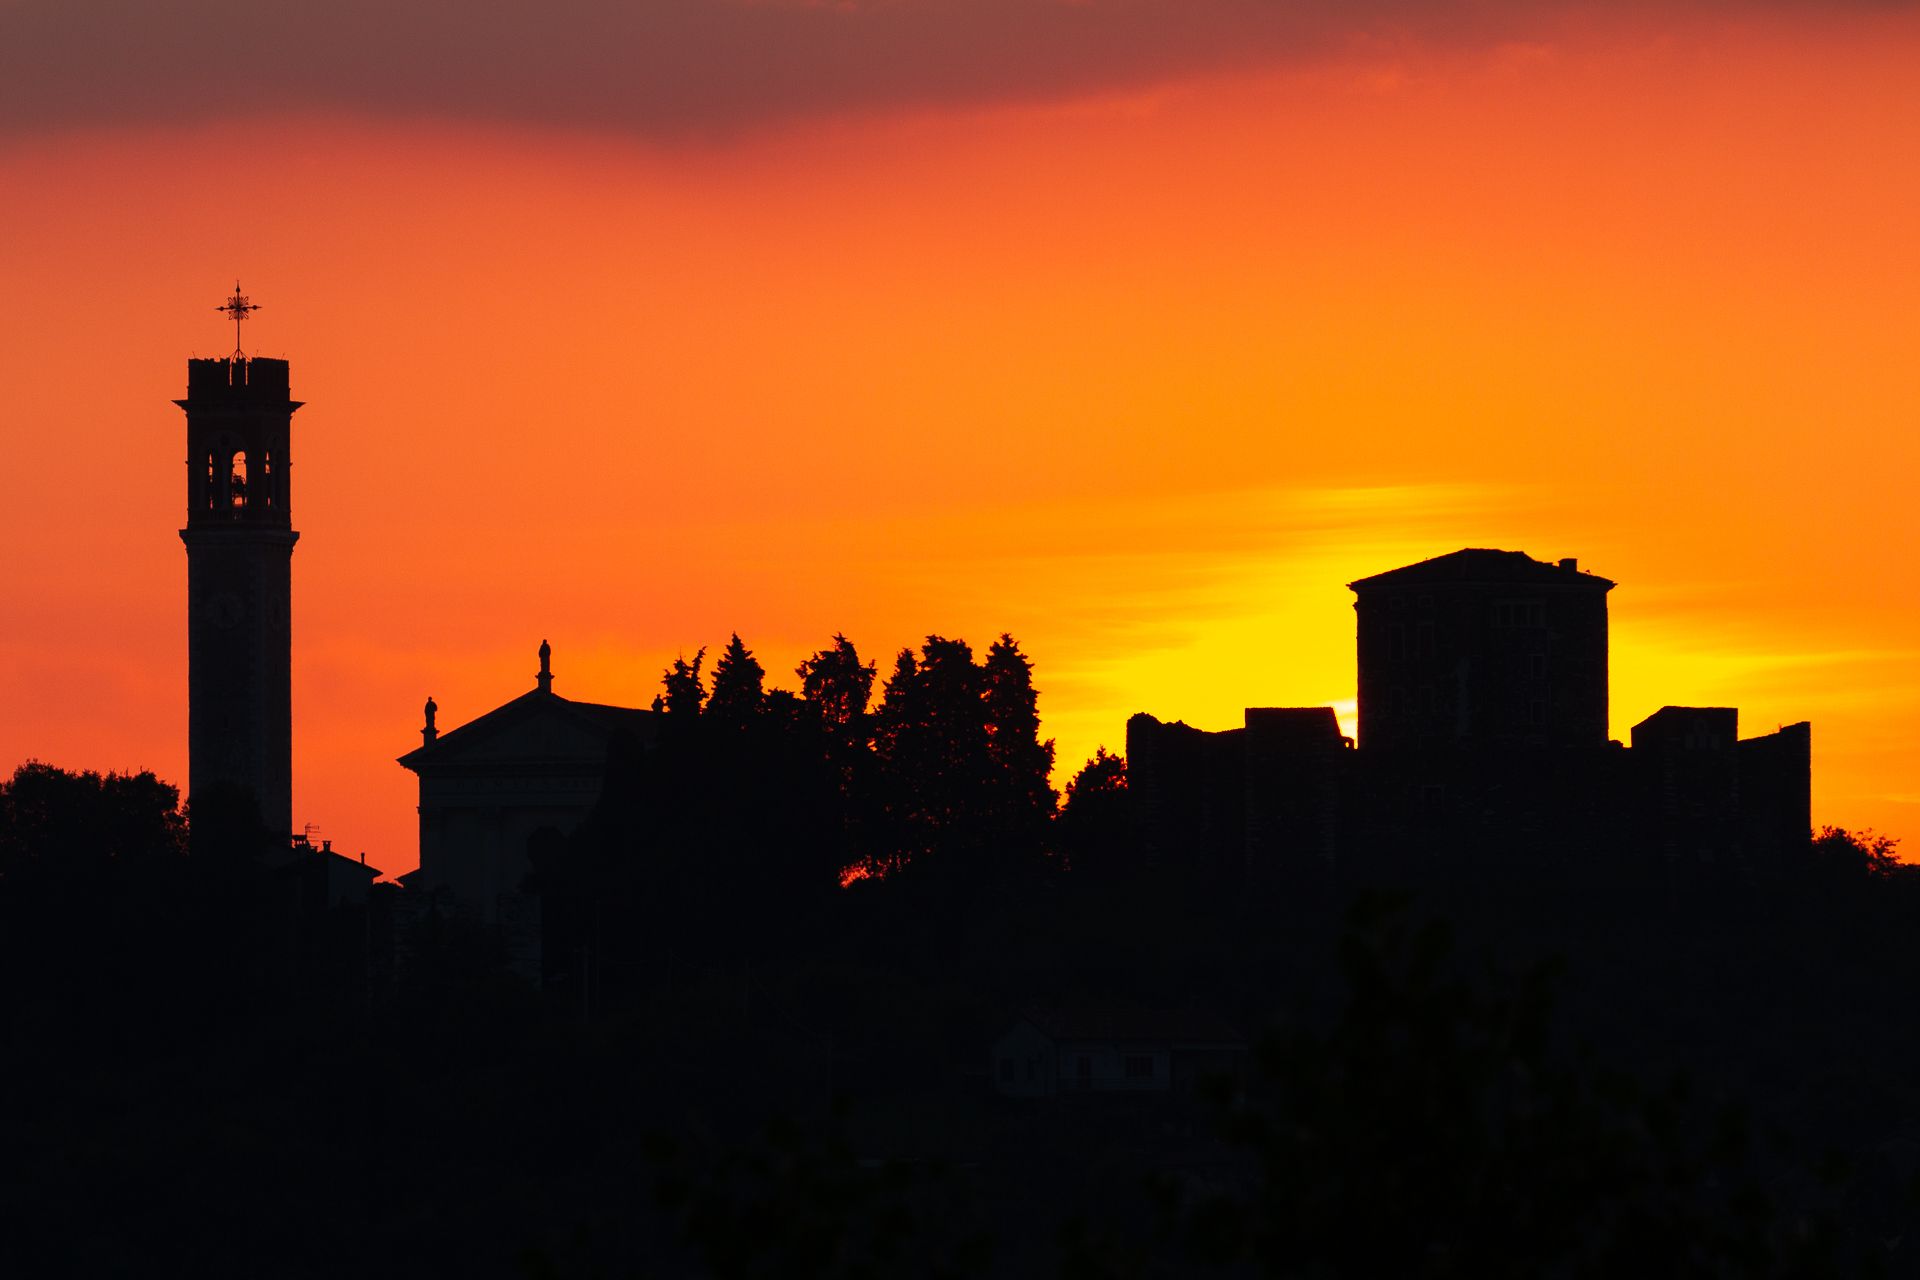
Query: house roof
[1690,713]
[301,849]
[593,721]
[1132,1022]
[1295,726]
[346,862]
[1485,565]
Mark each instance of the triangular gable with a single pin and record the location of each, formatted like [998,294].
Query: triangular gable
[535,726]
[1485,565]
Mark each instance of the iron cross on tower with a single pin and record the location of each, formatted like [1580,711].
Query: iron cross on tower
[239,308]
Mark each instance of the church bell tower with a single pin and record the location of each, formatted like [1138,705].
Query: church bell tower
[239,539]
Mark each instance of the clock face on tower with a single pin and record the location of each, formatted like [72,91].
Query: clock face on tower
[227,610]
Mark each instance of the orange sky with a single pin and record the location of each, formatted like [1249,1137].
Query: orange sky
[1143,373]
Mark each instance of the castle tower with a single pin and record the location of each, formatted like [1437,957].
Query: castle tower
[1482,649]
[239,540]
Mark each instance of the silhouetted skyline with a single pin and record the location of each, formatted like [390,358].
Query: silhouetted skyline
[1132,361]
[787,978]
[955,590]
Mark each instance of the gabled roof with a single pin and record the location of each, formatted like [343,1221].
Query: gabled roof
[539,713]
[1113,1022]
[1295,726]
[1485,565]
[303,850]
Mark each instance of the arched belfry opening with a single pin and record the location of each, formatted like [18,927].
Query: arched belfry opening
[237,480]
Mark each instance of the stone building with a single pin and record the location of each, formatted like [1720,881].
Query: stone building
[1482,650]
[1483,710]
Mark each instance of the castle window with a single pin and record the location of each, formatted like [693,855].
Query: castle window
[1138,1066]
[1537,666]
[266,479]
[1426,642]
[1397,641]
[1537,711]
[213,482]
[1519,613]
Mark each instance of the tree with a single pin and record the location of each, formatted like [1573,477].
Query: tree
[156,912]
[738,692]
[1443,1126]
[962,767]
[1095,823]
[836,687]
[79,826]
[932,741]
[1102,778]
[837,683]
[893,721]
[1020,761]
[1864,853]
[684,692]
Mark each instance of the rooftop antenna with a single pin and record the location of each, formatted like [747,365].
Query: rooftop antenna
[239,307]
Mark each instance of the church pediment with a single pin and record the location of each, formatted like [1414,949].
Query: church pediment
[543,736]
[536,727]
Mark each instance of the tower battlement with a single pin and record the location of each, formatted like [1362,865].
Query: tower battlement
[225,377]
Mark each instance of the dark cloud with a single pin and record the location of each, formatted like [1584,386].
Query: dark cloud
[657,68]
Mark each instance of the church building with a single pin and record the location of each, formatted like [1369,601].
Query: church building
[527,771]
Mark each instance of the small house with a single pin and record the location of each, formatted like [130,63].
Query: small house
[1113,1050]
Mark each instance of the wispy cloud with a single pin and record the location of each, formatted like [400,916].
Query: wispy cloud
[671,68]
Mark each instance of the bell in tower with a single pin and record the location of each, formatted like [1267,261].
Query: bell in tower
[239,540]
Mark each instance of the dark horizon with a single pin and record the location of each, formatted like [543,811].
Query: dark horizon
[1113,641]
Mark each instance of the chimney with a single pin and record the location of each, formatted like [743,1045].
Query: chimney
[1570,564]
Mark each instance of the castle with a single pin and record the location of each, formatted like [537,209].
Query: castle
[1482,731]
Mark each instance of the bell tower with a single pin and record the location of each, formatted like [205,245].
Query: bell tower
[239,540]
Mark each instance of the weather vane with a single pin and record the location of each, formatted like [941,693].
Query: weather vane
[239,308]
